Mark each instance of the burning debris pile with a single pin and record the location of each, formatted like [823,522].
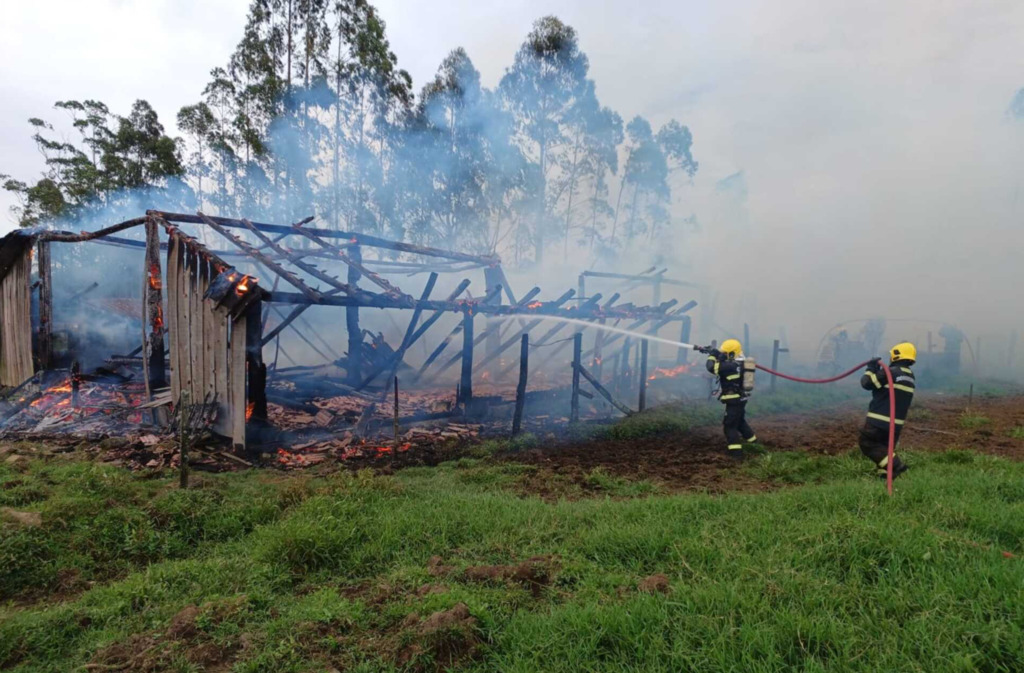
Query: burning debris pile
[207,326]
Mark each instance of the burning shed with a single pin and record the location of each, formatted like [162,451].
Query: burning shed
[207,314]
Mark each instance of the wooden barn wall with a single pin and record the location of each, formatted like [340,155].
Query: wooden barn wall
[207,347]
[16,322]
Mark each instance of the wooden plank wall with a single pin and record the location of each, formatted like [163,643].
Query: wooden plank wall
[16,323]
[207,347]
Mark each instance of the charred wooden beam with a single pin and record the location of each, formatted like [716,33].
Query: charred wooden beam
[285,274]
[684,337]
[256,395]
[657,278]
[524,366]
[68,237]
[429,322]
[392,365]
[466,380]
[355,333]
[352,237]
[354,260]
[440,347]
[526,329]
[577,352]
[296,259]
[45,340]
[643,376]
[603,391]
[153,339]
[491,331]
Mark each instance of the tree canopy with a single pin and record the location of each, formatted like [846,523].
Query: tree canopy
[311,114]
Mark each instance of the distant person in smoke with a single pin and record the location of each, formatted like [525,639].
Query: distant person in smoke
[727,364]
[874,436]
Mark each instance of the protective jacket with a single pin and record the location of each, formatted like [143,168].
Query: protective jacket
[730,377]
[904,385]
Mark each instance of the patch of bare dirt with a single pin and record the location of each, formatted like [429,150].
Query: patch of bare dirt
[535,573]
[696,460]
[655,584]
[24,519]
[442,641]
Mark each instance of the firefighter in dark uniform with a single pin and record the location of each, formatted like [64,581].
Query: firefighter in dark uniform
[726,364]
[874,436]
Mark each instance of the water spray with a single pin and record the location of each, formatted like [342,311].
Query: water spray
[701,349]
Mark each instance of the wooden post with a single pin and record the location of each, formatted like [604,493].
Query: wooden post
[238,399]
[466,381]
[395,451]
[75,383]
[256,368]
[775,361]
[643,375]
[623,374]
[524,365]
[598,348]
[355,333]
[683,354]
[184,413]
[45,341]
[577,352]
[656,296]
[581,290]
[153,330]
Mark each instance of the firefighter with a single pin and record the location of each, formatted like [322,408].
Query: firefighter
[874,436]
[726,364]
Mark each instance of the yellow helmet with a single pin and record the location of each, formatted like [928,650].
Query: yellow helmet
[903,351]
[732,347]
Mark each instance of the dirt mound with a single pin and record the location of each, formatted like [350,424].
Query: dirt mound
[183,624]
[655,584]
[534,573]
[441,641]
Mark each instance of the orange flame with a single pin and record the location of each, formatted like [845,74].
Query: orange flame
[534,304]
[249,409]
[667,373]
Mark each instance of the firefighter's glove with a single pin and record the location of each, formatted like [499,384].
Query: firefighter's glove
[715,353]
[875,365]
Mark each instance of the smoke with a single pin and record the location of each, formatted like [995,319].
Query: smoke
[857,161]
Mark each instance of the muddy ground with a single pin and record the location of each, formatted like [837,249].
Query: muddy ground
[696,459]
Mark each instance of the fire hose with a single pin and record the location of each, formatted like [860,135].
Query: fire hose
[706,350]
[892,405]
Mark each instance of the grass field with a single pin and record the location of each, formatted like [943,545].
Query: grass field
[451,565]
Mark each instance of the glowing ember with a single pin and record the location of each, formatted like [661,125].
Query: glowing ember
[243,285]
[667,373]
[288,458]
[534,304]
[248,410]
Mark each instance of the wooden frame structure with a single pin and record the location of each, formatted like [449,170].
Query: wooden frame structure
[216,313]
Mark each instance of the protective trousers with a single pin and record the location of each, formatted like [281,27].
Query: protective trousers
[735,424]
[874,443]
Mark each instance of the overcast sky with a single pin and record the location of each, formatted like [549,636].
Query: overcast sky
[872,129]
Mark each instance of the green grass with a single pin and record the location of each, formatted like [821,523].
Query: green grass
[970,421]
[305,573]
[1017,432]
